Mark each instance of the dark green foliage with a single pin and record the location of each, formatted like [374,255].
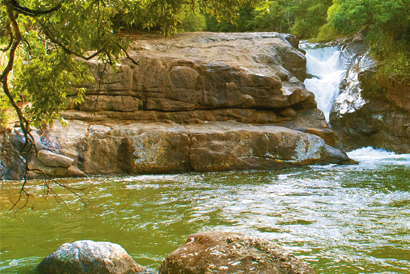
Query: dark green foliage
[242,22]
[301,17]
[387,24]
[309,16]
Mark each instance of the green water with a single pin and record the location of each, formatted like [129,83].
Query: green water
[339,219]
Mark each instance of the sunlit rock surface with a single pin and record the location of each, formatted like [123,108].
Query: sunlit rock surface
[227,252]
[89,257]
[164,115]
[115,148]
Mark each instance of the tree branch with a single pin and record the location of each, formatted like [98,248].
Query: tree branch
[30,12]
[50,36]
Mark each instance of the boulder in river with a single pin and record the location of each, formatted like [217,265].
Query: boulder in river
[228,252]
[89,257]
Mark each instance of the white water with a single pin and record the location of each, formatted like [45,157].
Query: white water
[327,65]
[369,155]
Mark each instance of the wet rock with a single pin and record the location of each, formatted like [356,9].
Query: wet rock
[380,120]
[137,148]
[227,252]
[377,124]
[88,257]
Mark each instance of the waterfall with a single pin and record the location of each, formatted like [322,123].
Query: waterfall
[326,68]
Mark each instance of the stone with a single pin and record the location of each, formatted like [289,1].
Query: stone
[119,103]
[210,101]
[89,257]
[195,73]
[228,252]
[51,159]
[152,148]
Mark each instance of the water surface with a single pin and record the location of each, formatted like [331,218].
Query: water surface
[339,219]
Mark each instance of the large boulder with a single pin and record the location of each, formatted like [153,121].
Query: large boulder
[198,77]
[227,252]
[197,102]
[136,148]
[88,257]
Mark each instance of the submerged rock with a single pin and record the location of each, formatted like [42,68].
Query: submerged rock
[227,252]
[88,257]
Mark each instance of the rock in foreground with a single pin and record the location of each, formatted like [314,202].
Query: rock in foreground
[227,252]
[89,257]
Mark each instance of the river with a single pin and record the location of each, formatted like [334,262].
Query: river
[339,219]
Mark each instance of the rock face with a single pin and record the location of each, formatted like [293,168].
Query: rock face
[167,148]
[380,122]
[88,257]
[227,252]
[197,102]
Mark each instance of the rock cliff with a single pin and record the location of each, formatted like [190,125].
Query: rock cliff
[380,122]
[196,102]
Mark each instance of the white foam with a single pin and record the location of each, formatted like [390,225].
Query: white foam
[369,154]
[328,66]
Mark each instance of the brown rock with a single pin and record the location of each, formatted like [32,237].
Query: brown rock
[51,159]
[202,71]
[96,103]
[227,252]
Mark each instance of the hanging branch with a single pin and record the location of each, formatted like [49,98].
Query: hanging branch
[29,144]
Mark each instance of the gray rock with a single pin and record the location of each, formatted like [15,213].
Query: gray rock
[51,159]
[88,257]
[227,252]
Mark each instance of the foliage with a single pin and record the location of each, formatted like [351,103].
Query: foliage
[276,17]
[241,22]
[301,17]
[387,25]
[309,16]
[192,20]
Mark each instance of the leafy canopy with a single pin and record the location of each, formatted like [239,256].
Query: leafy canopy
[387,27]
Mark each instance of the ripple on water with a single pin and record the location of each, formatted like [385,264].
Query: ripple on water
[341,219]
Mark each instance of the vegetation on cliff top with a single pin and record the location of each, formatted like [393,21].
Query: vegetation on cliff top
[385,23]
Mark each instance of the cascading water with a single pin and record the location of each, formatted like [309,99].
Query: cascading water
[326,68]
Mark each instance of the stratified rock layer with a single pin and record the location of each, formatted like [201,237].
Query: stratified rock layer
[197,102]
[227,252]
[88,257]
[168,148]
